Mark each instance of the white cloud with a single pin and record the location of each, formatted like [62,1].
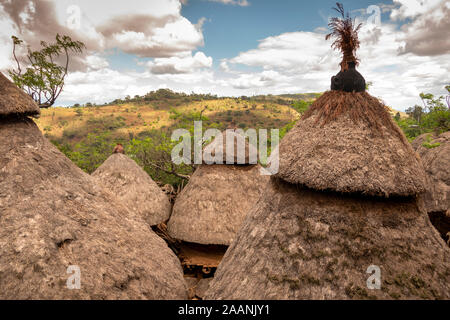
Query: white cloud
[412,8]
[242,3]
[303,61]
[95,62]
[180,64]
[146,28]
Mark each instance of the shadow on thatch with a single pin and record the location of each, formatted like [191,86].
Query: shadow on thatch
[435,154]
[299,243]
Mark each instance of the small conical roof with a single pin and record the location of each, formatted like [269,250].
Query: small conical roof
[219,149]
[14,101]
[215,202]
[134,188]
[347,142]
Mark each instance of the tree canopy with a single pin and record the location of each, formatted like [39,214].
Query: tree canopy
[39,74]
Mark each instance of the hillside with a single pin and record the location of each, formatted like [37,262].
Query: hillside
[144,125]
[72,125]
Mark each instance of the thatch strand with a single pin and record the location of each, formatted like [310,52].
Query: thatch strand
[360,106]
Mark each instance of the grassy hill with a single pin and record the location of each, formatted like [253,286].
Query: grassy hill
[72,125]
[87,134]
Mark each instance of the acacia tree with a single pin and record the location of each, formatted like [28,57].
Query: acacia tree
[42,77]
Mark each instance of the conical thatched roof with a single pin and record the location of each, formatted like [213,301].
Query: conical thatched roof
[14,101]
[53,215]
[219,149]
[347,142]
[134,188]
[212,207]
[435,155]
[342,207]
[303,244]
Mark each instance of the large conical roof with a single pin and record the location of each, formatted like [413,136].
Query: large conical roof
[212,207]
[347,142]
[134,188]
[14,101]
[54,216]
[297,243]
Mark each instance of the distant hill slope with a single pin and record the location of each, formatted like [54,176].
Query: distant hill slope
[71,125]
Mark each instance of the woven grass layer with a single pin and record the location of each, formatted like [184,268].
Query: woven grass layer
[347,142]
[14,101]
[301,244]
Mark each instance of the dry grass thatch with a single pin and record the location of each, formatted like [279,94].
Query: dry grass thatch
[347,142]
[345,32]
[435,154]
[53,215]
[14,101]
[134,188]
[218,150]
[214,204]
[303,244]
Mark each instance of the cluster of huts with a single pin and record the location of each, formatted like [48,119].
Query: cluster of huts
[351,195]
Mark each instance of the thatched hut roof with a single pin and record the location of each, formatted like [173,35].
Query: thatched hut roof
[212,207]
[14,101]
[53,215]
[297,243]
[218,149]
[342,205]
[435,154]
[134,188]
[347,142]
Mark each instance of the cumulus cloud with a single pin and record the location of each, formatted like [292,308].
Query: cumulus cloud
[180,64]
[304,61]
[411,8]
[144,28]
[427,35]
[242,3]
[404,56]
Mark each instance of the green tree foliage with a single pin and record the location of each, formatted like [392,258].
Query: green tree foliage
[153,153]
[434,116]
[90,153]
[301,105]
[40,75]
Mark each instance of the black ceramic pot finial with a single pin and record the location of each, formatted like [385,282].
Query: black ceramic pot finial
[349,80]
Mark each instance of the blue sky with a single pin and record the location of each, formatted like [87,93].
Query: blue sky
[234,47]
[230,29]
